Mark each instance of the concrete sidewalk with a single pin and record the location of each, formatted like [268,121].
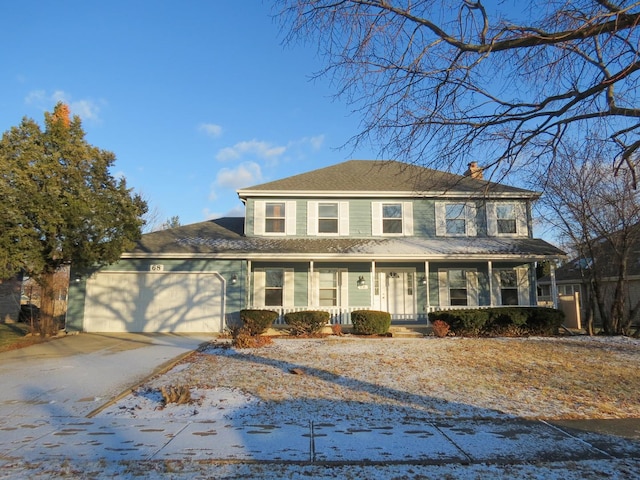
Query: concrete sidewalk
[437,442]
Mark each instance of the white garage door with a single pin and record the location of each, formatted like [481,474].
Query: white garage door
[154,302]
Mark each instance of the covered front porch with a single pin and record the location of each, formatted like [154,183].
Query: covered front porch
[408,290]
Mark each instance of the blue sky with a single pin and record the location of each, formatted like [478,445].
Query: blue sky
[195,98]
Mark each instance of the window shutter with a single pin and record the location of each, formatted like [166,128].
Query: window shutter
[472,287]
[441,221]
[376,219]
[344,288]
[492,219]
[259,280]
[288,288]
[443,288]
[343,221]
[407,219]
[258,217]
[315,288]
[522,223]
[471,214]
[312,218]
[522,274]
[290,219]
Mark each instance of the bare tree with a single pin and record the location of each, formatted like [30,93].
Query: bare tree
[444,82]
[597,214]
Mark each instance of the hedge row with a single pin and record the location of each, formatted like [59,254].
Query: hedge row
[501,321]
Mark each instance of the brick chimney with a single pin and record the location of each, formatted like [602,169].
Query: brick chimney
[474,171]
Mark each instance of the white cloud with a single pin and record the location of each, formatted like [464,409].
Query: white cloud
[86,109]
[210,129]
[263,150]
[244,175]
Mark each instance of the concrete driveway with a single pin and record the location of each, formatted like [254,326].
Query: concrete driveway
[74,375]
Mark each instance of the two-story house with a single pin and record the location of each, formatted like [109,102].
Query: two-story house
[357,235]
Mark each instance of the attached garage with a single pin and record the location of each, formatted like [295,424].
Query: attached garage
[181,302]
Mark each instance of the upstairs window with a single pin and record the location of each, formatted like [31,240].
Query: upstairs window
[327,218]
[392,218]
[274,220]
[506,218]
[456,219]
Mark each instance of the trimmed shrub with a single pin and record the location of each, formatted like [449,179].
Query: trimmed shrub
[370,322]
[545,321]
[309,322]
[505,321]
[463,322]
[257,321]
[440,328]
[243,339]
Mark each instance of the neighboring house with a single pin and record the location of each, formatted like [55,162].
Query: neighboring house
[572,281]
[10,299]
[357,235]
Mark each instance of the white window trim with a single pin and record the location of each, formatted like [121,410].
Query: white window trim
[522,281]
[470,212]
[377,220]
[343,286]
[313,218]
[472,286]
[522,224]
[259,284]
[259,218]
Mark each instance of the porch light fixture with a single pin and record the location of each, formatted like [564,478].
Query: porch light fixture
[361,282]
[392,275]
[234,279]
[423,280]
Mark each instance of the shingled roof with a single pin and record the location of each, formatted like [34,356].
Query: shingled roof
[382,176]
[224,237]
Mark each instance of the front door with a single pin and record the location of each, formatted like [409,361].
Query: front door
[397,293]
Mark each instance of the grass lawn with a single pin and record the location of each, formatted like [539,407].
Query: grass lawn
[541,378]
[14,335]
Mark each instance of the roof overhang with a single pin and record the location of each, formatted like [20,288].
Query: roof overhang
[244,194]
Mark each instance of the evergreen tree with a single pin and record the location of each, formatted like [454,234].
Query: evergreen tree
[60,204]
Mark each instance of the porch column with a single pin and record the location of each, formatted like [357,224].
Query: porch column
[490,273]
[249,285]
[311,286]
[373,283]
[554,286]
[426,277]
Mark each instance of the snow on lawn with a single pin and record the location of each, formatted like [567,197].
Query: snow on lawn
[394,379]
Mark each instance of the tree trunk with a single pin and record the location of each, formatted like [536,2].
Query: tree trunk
[47,305]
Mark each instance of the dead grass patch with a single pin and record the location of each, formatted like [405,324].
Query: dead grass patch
[550,378]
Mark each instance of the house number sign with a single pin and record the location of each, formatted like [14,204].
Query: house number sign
[156,268]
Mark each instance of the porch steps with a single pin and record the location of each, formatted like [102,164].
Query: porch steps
[409,331]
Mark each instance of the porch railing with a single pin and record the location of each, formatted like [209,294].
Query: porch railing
[342,315]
